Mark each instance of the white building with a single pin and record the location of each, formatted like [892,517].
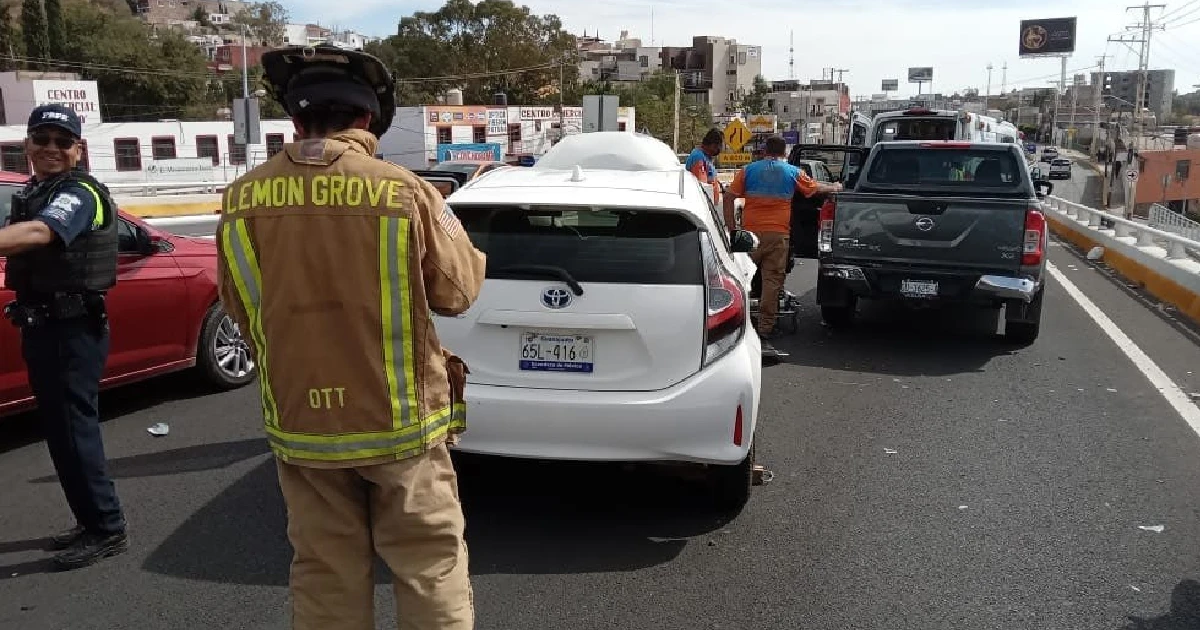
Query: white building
[508,132]
[159,151]
[21,92]
[313,34]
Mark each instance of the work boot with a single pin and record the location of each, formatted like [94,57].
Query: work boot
[65,538]
[90,548]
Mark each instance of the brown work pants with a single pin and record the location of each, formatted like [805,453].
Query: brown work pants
[772,259]
[409,513]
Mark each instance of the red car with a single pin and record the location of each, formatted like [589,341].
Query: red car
[164,313]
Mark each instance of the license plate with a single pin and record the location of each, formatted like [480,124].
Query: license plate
[543,352]
[919,288]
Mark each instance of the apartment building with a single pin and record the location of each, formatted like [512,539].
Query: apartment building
[312,34]
[1123,87]
[623,61]
[715,71]
[816,109]
[168,12]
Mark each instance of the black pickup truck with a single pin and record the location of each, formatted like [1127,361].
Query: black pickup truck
[928,222]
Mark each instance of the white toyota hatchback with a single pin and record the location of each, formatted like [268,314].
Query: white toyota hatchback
[613,324]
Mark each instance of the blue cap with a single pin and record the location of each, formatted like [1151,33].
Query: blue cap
[56,115]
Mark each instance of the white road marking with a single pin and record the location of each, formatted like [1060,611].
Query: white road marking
[1175,396]
[198,219]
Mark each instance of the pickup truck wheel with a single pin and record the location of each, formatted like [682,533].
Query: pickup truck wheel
[730,485]
[839,316]
[1024,331]
[222,355]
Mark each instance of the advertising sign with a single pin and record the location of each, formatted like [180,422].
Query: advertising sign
[457,115]
[791,137]
[920,75]
[180,170]
[891,85]
[1054,36]
[734,159]
[474,152]
[538,113]
[497,122]
[81,96]
[761,124]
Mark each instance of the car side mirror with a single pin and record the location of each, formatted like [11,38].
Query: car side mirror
[1039,185]
[743,242]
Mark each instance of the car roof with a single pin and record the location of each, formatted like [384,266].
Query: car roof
[9,177]
[673,189]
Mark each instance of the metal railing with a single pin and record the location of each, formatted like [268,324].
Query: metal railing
[1133,233]
[152,189]
[1168,220]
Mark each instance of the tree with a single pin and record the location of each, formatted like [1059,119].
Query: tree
[266,21]
[10,44]
[54,27]
[654,103]
[493,46]
[139,78]
[33,28]
[755,103]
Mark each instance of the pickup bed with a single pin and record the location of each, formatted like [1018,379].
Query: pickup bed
[936,222]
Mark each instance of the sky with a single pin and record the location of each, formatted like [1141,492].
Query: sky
[872,39]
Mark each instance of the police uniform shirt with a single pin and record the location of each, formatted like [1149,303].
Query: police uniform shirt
[71,213]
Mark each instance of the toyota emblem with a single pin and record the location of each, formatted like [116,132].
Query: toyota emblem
[556,297]
[924,224]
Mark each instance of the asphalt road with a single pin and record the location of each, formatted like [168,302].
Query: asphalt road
[927,477]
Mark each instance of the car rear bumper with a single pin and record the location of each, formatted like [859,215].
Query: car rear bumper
[838,282]
[691,422]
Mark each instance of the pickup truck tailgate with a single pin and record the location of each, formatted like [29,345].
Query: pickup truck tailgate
[963,232]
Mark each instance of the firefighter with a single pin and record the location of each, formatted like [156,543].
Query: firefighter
[333,263]
[62,260]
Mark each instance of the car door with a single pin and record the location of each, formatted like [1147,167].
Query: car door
[838,163]
[146,308]
[745,267]
[13,383]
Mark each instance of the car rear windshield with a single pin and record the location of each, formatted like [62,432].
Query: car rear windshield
[917,128]
[947,167]
[613,245]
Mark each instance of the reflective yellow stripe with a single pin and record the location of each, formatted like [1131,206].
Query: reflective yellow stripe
[396,309]
[243,265]
[405,442]
[98,217]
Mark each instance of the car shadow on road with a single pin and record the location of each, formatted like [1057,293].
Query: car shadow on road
[893,339]
[1183,615]
[523,517]
[181,460]
[24,429]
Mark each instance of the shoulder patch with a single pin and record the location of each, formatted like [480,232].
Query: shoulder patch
[449,222]
[63,207]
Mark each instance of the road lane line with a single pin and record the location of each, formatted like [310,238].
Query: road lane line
[1174,395]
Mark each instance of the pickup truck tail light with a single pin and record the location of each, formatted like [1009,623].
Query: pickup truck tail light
[725,310]
[1035,238]
[825,228]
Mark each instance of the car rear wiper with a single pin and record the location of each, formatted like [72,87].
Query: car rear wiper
[546,270]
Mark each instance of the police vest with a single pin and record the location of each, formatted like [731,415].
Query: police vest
[89,264]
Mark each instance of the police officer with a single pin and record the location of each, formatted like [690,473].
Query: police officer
[768,186]
[333,260]
[62,258]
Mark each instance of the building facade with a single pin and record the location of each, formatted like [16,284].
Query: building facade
[623,61]
[715,71]
[1160,90]
[167,12]
[22,91]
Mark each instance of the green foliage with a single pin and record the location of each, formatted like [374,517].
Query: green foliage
[266,21]
[54,27]
[654,99]
[462,39]
[1187,104]
[10,41]
[755,103]
[33,27]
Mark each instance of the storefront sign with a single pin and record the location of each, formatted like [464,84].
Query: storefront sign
[497,122]
[539,113]
[457,115]
[180,170]
[81,96]
[472,152]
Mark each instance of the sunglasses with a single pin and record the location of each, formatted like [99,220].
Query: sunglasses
[60,142]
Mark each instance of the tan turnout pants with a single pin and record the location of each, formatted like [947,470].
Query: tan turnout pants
[409,513]
[771,256]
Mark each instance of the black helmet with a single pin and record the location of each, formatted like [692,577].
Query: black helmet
[304,76]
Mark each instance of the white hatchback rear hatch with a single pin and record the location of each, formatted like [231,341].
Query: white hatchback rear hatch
[587,291]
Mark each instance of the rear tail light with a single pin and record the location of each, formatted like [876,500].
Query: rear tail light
[725,310]
[738,427]
[1035,238]
[825,231]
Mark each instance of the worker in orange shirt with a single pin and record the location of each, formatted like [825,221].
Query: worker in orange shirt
[767,187]
[700,162]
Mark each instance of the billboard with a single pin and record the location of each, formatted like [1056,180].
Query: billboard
[920,75]
[891,85]
[1054,36]
[457,115]
[482,152]
[81,96]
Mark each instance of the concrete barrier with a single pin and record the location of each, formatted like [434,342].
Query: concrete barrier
[1156,260]
[169,206]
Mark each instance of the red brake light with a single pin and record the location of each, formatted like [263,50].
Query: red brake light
[946,145]
[1035,235]
[737,427]
[725,315]
[825,229]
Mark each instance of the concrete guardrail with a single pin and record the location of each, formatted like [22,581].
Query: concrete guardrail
[1157,260]
[152,189]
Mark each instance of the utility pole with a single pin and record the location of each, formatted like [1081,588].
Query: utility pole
[675,134]
[562,112]
[1097,103]
[840,73]
[1147,27]
[1074,109]
[792,56]
[1004,79]
[988,93]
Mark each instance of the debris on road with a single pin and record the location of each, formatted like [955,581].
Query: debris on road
[1157,529]
[1135,588]
[962,507]
[1111,390]
[761,476]
[1096,253]
[159,429]
[890,451]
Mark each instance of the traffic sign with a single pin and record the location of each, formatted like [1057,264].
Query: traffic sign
[1131,175]
[734,159]
[761,124]
[737,134]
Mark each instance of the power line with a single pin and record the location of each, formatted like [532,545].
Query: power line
[1175,12]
